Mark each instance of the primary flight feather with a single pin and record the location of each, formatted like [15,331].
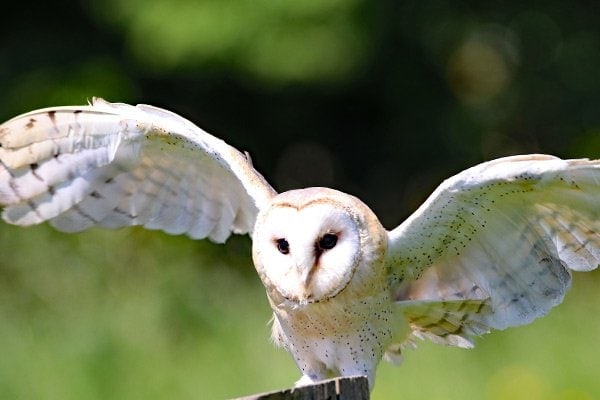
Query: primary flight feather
[492,247]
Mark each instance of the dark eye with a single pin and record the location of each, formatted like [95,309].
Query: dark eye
[283,246]
[328,241]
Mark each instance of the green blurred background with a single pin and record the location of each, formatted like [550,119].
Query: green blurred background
[380,99]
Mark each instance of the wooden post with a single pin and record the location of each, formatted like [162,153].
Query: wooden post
[341,388]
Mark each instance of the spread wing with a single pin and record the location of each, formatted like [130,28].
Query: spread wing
[115,165]
[493,246]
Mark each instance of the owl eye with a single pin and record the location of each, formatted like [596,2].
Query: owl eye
[328,241]
[283,246]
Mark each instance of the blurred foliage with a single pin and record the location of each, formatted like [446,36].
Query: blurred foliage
[379,99]
[272,41]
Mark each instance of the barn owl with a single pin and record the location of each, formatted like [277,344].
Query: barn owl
[492,247]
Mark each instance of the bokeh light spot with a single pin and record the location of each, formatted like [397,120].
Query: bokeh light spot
[480,68]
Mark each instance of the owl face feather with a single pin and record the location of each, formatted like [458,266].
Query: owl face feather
[307,245]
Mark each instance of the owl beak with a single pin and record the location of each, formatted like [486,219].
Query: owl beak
[307,276]
[306,279]
[306,269]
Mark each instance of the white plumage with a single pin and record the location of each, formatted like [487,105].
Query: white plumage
[115,165]
[492,247]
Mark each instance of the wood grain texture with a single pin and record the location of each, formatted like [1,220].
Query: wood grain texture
[347,388]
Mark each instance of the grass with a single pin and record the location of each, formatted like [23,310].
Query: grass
[136,314]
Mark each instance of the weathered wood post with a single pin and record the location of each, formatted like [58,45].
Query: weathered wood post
[348,388]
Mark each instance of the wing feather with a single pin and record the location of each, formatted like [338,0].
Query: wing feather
[115,165]
[509,231]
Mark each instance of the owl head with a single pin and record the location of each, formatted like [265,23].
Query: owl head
[311,244]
